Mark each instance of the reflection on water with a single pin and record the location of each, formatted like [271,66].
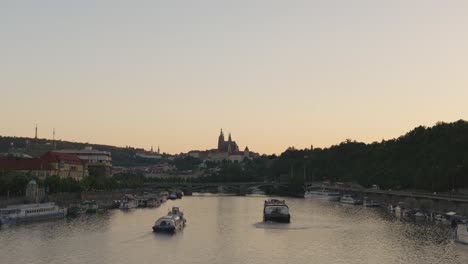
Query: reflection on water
[229,229]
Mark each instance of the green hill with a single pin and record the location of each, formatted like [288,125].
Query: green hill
[429,158]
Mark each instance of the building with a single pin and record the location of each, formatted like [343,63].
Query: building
[239,156]
[228,146]
[98,162]
[34,193]
[149,154]
[50,164]
[227,150]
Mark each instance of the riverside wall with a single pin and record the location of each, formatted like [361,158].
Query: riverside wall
[434,205]
[103,198]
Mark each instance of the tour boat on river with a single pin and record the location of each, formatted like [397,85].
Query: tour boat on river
[276,211]
[322,195]
[31,212]
[171,223]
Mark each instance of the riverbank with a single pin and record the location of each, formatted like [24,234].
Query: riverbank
[103,198]
[435,203]
[229,229]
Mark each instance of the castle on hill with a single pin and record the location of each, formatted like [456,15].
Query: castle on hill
[228,146]
[227,150]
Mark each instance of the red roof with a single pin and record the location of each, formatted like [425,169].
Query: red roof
[23,164]
[42,163]
[55,157]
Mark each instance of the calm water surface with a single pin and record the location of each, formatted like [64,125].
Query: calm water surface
[223,229]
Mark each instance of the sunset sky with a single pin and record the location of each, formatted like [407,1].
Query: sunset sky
[274,73]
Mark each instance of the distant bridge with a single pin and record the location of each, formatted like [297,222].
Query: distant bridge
[237,187]
[244,186]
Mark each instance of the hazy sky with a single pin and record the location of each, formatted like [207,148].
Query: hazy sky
[274,73]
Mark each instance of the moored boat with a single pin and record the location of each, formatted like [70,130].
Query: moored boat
[115,204]
[276,211]
[74,210]
[179,194]
[461,233]
[31,212]
[153,202]
[322,195]
[171,223]
[255,191]
[128,202]
[349,199]
[420,215]
[371,203]
[172,196]
[89,207]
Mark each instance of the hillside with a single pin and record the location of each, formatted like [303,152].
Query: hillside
[120,156]
[430,158]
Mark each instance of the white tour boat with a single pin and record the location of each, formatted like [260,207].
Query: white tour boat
[322,195]
[276,211]
[171,223]
[31,212]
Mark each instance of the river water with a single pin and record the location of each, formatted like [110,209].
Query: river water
[229,229]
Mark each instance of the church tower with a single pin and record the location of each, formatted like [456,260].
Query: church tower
[221,140]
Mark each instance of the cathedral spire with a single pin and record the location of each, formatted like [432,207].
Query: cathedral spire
[221,140]
[230,139]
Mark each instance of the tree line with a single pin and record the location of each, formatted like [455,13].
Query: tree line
[426,158]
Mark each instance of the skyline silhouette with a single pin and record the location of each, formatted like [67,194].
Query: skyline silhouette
[275,74]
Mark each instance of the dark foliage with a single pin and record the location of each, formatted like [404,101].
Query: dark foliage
[431,159]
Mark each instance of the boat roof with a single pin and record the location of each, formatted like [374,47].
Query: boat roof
[169,217]
[25,206]
[275,202]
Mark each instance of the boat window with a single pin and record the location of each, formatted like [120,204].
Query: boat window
[276,209]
